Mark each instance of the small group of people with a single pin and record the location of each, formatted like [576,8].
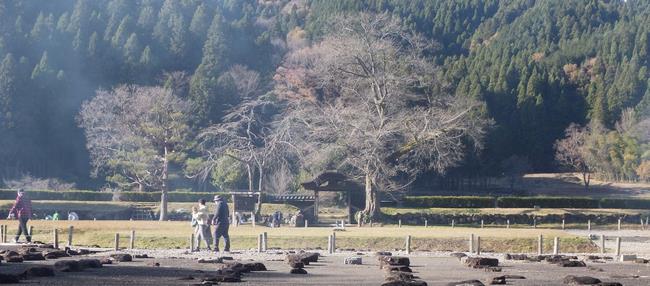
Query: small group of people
[201,222]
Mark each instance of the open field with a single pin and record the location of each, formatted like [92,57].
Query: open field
[155,234]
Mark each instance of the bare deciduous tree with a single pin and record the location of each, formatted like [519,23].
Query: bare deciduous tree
[133,133]
[245,133]
[363,100]
[570,152]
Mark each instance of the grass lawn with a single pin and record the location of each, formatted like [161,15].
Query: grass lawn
[155,234]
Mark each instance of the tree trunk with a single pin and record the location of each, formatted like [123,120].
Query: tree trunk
[258,207]
[163,191]
[250,177]
[372,202]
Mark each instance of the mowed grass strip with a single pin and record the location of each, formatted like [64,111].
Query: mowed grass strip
[173,234]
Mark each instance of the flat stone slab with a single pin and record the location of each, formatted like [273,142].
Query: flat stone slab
[628,257]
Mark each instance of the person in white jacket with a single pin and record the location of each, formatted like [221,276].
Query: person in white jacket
[202,229]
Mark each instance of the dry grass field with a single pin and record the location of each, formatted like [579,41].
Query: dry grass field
[172,234]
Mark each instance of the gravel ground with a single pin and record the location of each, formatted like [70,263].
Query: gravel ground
[436,268]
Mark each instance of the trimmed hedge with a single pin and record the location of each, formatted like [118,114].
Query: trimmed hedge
[179,197]
[625,203]
[448,202]
[548,202]
[59,195]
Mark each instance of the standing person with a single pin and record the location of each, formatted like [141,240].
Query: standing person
[202,229]
[22,209]
[221,224]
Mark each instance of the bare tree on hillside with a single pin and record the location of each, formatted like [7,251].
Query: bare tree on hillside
[364,100]
[245,133]
[133,133]
[570,151]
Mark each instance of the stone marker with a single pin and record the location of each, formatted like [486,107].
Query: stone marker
[265,239]
[70,230]
[628,257]
[117,241]
[471,243]
[56,238]
[556,245]
[618,246]
[602,243]
[589,225]
[353,260]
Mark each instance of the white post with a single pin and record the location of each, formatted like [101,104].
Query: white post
[452,223]
[481,223]
[619,223]
[471,243]
[618,246]
[589,225]
[56,238]
[556,246]
[333,242]
[540,245]
[426,223]
[132,240]
[399,223]
[408,244]
[264,241]
[602,244]
[562,224]
[507,223]
[329,244]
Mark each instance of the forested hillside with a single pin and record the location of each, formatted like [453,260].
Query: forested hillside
[537,66]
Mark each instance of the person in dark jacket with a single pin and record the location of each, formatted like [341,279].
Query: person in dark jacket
[22,210]
[221,223]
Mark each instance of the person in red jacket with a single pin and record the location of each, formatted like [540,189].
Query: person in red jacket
[22,210]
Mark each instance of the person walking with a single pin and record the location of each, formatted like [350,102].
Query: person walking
[202,229]
[22,209]
[221,223]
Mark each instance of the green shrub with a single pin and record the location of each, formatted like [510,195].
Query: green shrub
[548,202]
[625,203]
[73,195]
[178,197]
[448,202]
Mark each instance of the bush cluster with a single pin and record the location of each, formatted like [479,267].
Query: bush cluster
[75,195]
[448,202]
[522,202]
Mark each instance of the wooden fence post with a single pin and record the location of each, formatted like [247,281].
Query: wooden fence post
[408,244]
[192,242]
[56,238]
[117,242]
[471,243]
[478,245]
[70,231]
[602,244]
[259,242]
[618,246]
[132,240]
[264,241]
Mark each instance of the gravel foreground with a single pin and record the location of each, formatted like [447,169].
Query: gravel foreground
[436,268]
